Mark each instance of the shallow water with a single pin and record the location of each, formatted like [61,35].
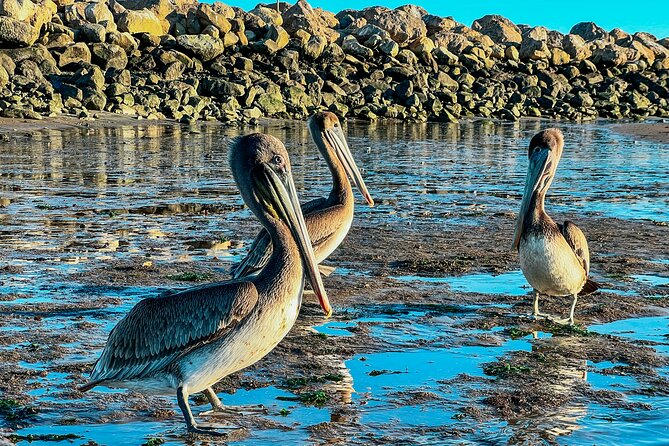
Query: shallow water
[75,199]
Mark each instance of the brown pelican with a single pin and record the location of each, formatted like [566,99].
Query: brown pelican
[328,219]
[554,258]
[185,342]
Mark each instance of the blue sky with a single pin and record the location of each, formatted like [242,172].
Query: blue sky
[651,16]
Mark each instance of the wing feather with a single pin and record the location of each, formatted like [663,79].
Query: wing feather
[159,329]
[579,244]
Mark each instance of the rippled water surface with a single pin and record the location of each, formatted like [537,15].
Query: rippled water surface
[72,198]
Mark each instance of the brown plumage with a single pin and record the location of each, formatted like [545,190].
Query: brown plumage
[555,259]
[187,341]
[328,219]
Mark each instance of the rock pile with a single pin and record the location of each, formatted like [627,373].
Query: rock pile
[184,60]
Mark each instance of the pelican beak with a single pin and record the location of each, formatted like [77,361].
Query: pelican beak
[276,191]
[335,136]
[538,173]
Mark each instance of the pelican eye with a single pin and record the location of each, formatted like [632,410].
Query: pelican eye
[278,160]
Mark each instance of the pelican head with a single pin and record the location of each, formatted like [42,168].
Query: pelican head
[328,135]
[261,169]
[544,155]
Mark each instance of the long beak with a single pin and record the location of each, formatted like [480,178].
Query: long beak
[280,198]
[335,136]
[535,173]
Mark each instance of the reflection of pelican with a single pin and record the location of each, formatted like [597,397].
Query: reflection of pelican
[328,219]
[554,258]
[187,341]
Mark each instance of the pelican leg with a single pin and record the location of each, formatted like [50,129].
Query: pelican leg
[217,407]
[182,398]
[536,314]
[573,307]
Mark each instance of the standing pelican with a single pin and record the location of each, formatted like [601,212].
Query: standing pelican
[554,258]
[328,219]
[185,342]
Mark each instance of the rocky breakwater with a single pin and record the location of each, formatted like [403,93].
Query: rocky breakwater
[179,59]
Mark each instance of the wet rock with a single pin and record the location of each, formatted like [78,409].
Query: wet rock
[203,46]
[15,32]
[498,28]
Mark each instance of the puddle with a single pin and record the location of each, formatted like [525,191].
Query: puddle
[652,280]
[511,283]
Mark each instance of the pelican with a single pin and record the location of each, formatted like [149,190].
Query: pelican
[553,257]
[328,219]
[187,341]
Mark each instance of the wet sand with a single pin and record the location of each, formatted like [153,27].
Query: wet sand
[656,131]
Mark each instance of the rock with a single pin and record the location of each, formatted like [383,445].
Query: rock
[244,64]
[435,24]
[576,47]
[15,32]
[268,15]
[301,16]
[350,45]
[209,16]
[589,31]
[278,35]
[203,46]
[271,103]
[38,54]
[389,48]
[453,42]
[73,54]
[315,47]
[498,28]
[533,46]
[144,21]
[99,13]
[401,26]
[124,40]
[559,57]
[91,33]
[511,53]
[108,55]
[612,55]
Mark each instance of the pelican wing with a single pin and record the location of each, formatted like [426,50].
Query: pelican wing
[576,239]
[160,329]
[261,249]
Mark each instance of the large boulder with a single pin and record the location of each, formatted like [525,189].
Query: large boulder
[611,55]
[99,12]
[435,23]
[144,21]
[73,54]
[216,17]
[203,46]
[589,31]
[534,46]
[402,26]
[17,33]
[17,9]
[498,28]
[161,8]
[108,55]
[301,16]
[454,42]
[38,54]
[576,47]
